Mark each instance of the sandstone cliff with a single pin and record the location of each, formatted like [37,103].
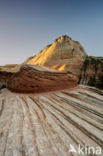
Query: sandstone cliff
[92,72]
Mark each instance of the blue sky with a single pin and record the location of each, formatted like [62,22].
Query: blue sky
[27,26]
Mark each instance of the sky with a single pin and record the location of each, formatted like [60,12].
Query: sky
[27,26]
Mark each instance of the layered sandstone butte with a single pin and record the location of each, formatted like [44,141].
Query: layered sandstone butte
[63,54]
[68,55]
[46,124]
[40,79]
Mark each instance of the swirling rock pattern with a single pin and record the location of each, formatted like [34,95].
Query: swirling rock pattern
[40,79]
[45,124]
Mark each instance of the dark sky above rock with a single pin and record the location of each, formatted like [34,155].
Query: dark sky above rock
[27,26]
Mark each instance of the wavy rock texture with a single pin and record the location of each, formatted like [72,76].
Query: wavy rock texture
[7,71]
[46,124]
[40,79]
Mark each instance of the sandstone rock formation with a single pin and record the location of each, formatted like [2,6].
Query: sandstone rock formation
[46,124]
[40,79]
[44,111]
[8,70]
[4,77]
[68,55]
[92,72]
[63,54]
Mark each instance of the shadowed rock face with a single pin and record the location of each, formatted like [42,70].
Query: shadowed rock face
[4,77]
[92,72]
[46,124]
[7,71]
[40,79]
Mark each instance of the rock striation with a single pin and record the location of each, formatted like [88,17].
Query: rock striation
[92,72]
[39,79]
[46,124]
[63,54]
[44,112]
[8,70]
[68,55]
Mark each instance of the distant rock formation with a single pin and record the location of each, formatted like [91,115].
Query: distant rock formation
[63,54]
[68,55]
[40,79]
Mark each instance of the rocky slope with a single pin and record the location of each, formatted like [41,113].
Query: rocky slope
[47,124]
[63,54]
[68,55]
[40,79]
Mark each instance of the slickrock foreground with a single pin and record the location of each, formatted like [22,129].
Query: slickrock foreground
[46,124]
[40,79]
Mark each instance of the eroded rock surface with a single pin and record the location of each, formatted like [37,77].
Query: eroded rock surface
[64,54]
[46,124]
[92,72]
[4,77]
[40,79]
[68,55]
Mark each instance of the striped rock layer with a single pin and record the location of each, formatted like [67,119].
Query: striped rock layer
[40,79]
[47,124]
